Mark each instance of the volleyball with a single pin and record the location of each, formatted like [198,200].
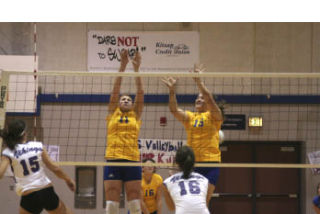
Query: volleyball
[221,136]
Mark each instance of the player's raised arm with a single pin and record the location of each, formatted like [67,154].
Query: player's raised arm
[139,100]
[211,103]
[177,112]
[114,96]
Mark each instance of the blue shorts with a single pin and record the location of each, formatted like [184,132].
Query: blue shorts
[211,173]
[123,173]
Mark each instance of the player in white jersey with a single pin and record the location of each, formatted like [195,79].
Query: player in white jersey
[186,191]
[32,184]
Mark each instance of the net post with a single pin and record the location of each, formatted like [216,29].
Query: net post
[3,99]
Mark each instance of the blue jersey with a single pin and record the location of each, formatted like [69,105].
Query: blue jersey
[316,201]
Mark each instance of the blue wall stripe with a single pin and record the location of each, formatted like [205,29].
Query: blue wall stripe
[164,98]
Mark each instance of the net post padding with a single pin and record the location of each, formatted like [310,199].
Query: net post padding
[3,100]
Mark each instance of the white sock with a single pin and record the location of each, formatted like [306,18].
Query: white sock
[134,206]
[112,207]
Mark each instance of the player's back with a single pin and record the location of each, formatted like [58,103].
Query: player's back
[189,195]
[26,162]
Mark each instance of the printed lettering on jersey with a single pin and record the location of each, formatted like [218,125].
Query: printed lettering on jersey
[178,177]
[23,151]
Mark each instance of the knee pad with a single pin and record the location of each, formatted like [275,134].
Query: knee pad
[112,207]
[134,206]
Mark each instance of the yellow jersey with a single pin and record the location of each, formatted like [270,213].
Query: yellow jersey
[149,191]
[203,136]
[122,137]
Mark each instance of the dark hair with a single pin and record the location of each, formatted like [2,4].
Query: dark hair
[185,160]
[318,188]
[149,159]
[14,134]
[125,95]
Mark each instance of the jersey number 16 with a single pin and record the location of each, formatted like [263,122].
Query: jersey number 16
[193,187]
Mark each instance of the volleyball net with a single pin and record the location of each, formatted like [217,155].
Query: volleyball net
[67,112]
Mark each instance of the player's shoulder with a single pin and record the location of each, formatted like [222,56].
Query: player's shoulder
[7,152]
[173,178]
[190,113]
[198,176]
[113,114]
[158,177]
[167,179]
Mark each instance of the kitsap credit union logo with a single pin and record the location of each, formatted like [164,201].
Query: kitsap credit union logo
[170,49]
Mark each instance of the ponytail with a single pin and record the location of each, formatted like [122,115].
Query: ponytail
[185,160]
[187,167]
[14,134]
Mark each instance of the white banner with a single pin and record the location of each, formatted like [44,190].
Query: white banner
[22,88]
[160,150]
[160,51]
[314,158]
[53,152]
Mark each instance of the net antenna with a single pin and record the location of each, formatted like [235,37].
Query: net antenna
[35,79]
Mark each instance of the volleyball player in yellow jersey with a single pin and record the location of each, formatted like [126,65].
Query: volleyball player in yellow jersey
[151,189]
[123,123]
[202,127]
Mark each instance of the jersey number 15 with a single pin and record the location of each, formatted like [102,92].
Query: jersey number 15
[33,165]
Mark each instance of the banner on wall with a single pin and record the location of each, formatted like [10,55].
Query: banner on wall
[314,158]
[22,88]
[160,150]
[160,51]
[53,152]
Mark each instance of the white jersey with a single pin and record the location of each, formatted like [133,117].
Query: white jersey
[189,195]
[27,166]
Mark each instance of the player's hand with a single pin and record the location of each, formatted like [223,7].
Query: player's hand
[124,59]
[70,183]
[197,69]
[170,82]
[136,61]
